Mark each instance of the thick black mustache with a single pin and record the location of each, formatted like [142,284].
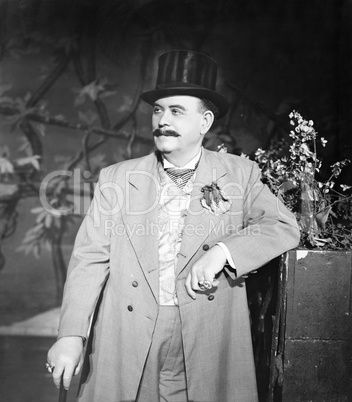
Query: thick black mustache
[167,133]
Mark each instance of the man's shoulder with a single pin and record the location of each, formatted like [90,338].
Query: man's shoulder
[231,160]
[134,164]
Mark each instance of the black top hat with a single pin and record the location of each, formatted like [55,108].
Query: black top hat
[183,72]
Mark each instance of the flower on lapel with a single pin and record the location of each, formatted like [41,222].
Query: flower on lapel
[214,199]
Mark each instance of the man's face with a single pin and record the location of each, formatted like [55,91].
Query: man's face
[177,125]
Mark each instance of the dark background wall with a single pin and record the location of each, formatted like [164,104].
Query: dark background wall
[71,73]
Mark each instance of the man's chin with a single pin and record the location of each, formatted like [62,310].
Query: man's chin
[164,150]
[165,144]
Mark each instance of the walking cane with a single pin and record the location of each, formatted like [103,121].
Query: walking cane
[63,391]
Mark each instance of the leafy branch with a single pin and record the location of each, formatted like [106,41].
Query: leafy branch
[31,115]
[322,212]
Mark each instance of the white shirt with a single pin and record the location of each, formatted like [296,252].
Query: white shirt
[192,165]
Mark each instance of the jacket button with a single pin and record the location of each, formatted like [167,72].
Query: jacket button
[205,247]
[211,297]
[134,284]
[130,308]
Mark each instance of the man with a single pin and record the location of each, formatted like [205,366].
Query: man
[166,250]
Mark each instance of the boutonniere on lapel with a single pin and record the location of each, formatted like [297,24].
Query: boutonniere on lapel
[214,199]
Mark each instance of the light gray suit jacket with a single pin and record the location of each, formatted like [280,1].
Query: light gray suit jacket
[117,246]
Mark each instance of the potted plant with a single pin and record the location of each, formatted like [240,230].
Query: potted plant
[312,326]
[322,211]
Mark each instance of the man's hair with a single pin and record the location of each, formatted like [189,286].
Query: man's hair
[205,104]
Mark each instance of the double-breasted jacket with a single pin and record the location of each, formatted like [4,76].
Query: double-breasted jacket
[115,261]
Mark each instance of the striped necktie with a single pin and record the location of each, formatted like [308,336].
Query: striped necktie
[179,176]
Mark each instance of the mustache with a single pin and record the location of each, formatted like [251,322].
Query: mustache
[166,133]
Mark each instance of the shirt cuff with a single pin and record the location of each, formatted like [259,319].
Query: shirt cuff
[227,254]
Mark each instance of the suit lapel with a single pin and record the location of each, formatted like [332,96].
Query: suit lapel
[141,218]
[200,222]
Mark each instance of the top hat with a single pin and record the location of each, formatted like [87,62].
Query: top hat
[184,72]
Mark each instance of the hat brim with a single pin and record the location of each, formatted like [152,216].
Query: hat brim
[152,96]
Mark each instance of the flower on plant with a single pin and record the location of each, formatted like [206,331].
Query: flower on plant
[323,141]
[344,187]
[337,167]
[316,204]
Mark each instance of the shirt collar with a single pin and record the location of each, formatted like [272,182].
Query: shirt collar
[190,165]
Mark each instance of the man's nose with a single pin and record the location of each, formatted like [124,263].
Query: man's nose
[164,119]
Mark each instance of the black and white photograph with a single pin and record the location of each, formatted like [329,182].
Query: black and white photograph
[175,201]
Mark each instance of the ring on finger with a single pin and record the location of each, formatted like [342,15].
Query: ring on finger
[207,285]
[49,367]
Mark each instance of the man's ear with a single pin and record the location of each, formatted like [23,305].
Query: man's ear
[207,121]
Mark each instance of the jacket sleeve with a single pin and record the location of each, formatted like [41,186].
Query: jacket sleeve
[89,264]
[269,228]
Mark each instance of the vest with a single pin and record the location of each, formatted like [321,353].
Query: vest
[172,212]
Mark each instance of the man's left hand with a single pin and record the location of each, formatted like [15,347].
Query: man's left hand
[204,271]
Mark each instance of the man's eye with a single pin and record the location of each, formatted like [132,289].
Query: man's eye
[176,111]
[156,110]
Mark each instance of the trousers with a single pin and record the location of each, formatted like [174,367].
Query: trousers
[164,375]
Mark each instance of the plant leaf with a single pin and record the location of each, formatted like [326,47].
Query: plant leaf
[321,217]
[6,166]
[32,160]
[8,189]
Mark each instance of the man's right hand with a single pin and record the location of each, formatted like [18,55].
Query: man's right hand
[66,356]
